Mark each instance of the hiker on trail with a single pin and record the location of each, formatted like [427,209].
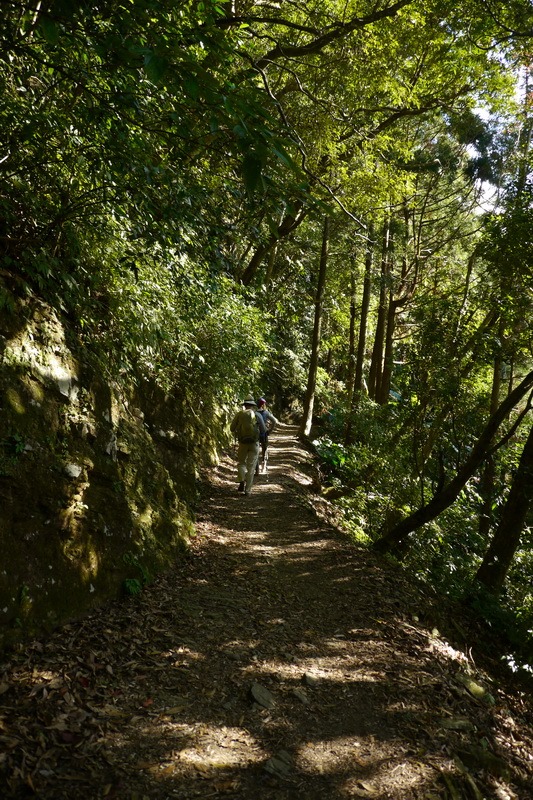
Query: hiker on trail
[247,425]
[270,423]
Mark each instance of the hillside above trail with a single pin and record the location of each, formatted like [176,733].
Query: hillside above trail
[276,660]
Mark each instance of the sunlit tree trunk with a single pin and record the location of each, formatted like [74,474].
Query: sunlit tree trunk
[309,400]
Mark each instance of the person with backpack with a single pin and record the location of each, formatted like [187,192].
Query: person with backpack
[270,423]
[248,426]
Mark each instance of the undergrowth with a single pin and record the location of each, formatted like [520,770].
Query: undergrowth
[373,485]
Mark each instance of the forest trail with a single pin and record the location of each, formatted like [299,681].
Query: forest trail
[276,661]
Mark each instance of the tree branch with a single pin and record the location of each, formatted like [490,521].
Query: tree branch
[336,32]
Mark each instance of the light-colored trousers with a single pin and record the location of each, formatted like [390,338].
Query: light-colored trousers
[247,456]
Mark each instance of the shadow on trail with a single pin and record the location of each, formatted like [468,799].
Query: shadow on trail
[278,661]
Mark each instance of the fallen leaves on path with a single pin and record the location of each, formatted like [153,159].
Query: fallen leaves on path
[275,661]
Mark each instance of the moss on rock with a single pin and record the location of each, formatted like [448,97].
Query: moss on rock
[96,479]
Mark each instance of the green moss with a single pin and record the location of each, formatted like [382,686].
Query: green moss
[65,537]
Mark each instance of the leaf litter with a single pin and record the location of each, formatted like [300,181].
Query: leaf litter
[276,660]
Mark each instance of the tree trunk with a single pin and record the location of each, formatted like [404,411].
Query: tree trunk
[309,400]
[386,376]
[499,556]
[363,319]
[376,366]
[357,389]
[449,493]
[350,377]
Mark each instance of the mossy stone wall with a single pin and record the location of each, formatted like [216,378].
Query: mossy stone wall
[97,478]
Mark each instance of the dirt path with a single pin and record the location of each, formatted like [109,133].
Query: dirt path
[277,661]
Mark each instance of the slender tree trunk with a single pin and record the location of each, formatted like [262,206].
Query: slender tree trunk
[390,325]
[309,400]
[443,499]
[357,389]
[376,366]
[386,377]
[499,556]
[363,319]
[350,377]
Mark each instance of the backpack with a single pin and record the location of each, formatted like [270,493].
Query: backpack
[263,436]
[247,427]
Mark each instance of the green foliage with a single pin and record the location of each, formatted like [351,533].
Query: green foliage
[332,454]
[12,447]
[151,154]
[371,476]
[134,586]
[14,444]
[516,627]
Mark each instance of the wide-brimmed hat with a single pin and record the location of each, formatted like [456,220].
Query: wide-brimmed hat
[249,401]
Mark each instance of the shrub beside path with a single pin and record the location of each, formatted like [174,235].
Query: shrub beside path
[277,661]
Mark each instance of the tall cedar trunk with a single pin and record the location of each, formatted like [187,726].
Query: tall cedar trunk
[443,499]
[350,377]
[406,289]
[309,400]
[386,376]
[376,366]
[363,319]
[357,390]
[499,556]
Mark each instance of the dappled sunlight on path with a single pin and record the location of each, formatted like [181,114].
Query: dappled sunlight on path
[276,661]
